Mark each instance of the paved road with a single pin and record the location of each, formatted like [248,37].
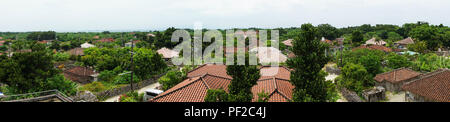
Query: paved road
[142,90]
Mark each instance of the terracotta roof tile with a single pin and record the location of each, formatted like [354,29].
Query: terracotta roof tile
[374,47]
[167,53]
[288,42]
[211,76]
[406,41]
[433,86]
[397,75]
[76,51]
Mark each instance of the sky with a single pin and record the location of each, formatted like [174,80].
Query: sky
[117,15]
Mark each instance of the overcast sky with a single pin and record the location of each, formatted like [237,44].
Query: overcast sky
[83,15]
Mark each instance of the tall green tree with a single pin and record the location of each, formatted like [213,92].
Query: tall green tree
[244,78]
[28,71]
[357,37]
[310,59]
[328,31]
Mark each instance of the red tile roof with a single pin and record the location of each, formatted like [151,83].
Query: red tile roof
[288,42]
[167,53]
[76,51]
[397,75]
[78,73]
[374,47]
[211,76]
[406,41]
[2,42]
[106,40]
[433,86]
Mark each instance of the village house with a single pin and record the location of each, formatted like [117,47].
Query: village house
[106,40]
[267,55]
[167,53]
[432,87]
[273,80]
[374,41]
[375,47]
[82,75]
[403,44]
[47,42]
[76,51]
[288,42]
[129,44]
[394,80]
[87,45]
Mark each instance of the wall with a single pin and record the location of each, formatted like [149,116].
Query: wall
[127,88]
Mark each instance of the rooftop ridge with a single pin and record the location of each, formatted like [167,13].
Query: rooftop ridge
[428,75]
[157,97]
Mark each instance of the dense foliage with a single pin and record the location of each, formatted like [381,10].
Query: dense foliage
[306,77]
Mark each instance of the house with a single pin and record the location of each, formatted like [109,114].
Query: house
[151,35]
[76,51]
[96,37]
[273,80]
[269,55]
[340,41]
[167,53]
[2,42]
[288,42]
[326,41]
[128,44]
[402,44]
[374,41]
[80,74]
[1,37]
[106,40]
[87,45]
[375,94]
[432,87]
[374,47]
[394,80]
[48,42]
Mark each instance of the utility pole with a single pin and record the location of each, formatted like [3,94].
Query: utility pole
[132,68]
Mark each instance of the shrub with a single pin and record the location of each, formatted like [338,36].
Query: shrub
[132,96]
[171,79]
[124,78]
[61,56]
[94,87]
[62,84]
[107,75]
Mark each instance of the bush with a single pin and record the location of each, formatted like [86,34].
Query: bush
[171,79]
[62,84]
[61,56]
[94,87]
[107,75]
[132,96]
[125,77]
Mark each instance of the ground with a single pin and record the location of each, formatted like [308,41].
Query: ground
[395,97]
[142,90]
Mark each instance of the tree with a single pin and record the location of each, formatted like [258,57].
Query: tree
[305,76]
[355,77]
[244,78]
[170,79]
[397,61]
[357,37]
[28,71]
[418,46]
[217,95]
[328,31]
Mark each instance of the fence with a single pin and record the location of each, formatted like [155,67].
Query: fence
[127,88]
